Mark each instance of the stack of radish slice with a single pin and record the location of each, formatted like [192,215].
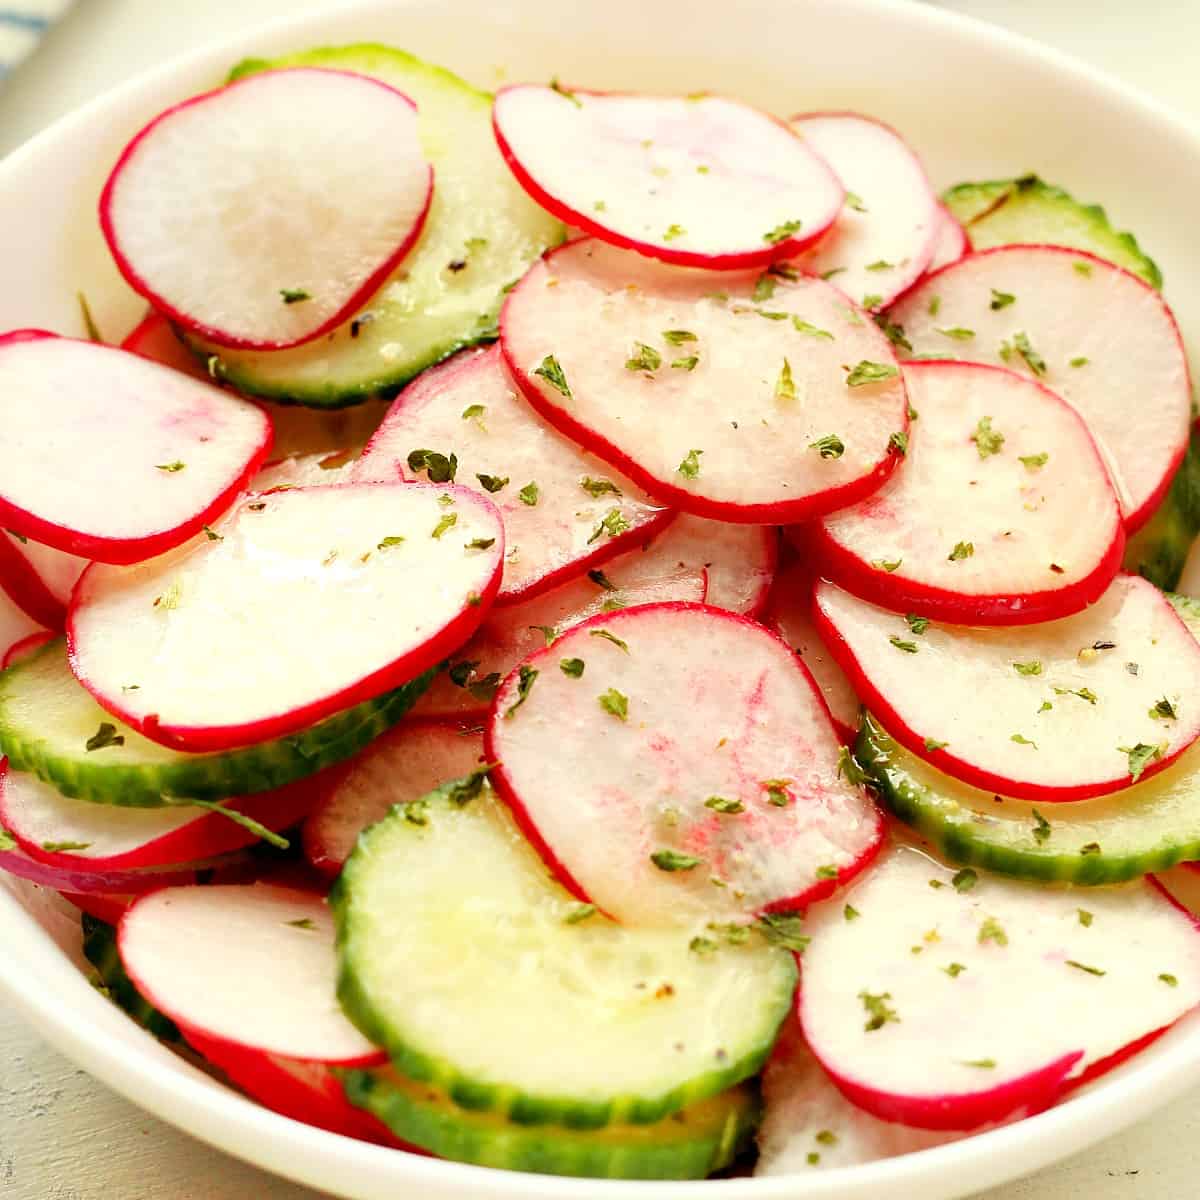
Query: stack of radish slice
[750,606]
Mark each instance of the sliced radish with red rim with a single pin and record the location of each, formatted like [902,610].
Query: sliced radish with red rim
[674,761]
[741,410]
[950,243]
[251,967]
[234,218]
[405,764]
[39,577]
[563,509]
[887,230]
[1074,707]
[983,523]
[16,626]
[200,650]
[24,647]
[913,990]
[702,180]
[142,456]
[1094,333]
[153,338]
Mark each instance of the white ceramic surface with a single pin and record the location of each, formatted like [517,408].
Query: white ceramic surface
[975,101]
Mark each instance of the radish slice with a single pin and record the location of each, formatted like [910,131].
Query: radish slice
[235,220]
[153,338]
[709,406]
[789,613]
[558,502]
[809,1125]
[405,764]
[39,577]
[739,560]
[465,689]
[910,1005]
[164,453]
[250,967]
[982,525]
[1097,335]
[79,880]
[887,230]
[16,627]
[675,761]
[70,834]
[382,580]
[308,470]
[950,242]
[1073,706]
[106,908]
[24,647]
[702,181]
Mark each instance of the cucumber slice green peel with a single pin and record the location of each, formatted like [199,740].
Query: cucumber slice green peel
[438,965]
[689,1144]
[1159,550]
[47,721]
[1001,212]
[481,234]
[100,949]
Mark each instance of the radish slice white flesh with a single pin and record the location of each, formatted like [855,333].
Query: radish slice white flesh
[406,763]
[789,613]
[141,457]
[739,560]
[1099,336]
[379,582]
[808,1125]
[556,500]
[983,523]
[40,577]
[718,405]
[703,181]
[954,1005]
[68,833]
[235,219]
[466,687]
[885,235]
[1042,712]
[247,966]
[675,761]
[308,470]
[950,242]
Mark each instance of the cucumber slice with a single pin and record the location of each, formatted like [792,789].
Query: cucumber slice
[1147,827]
[1003,212]
[100,949]
[47,718]
[481,233]
[1160,548]
[690,1144]
[482,982]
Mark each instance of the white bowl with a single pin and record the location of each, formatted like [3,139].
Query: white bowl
[976,102]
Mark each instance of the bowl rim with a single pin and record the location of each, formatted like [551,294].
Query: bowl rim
[186,1099]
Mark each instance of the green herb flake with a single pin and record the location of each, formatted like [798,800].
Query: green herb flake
[1164,710]
[64,847]
[907,647]
[1084,967]
[526,677]
[957,333]
[898,444]
[480,543]
[305,923]
[879,1012]
[1033,360]
[827,275]
[1041,828]
[89,322]
[1001,300]
[764,289]
[1033,667]
[677,337]
[614,703]
[826,1137]
[580,913]
[1080,361]
[463,791]
[703,945]
[672,860]
[293,295]
[726,807]
[1022,740]
[643,358]
[961,550]
[212,534]
[785,385]
[105,736]
[954,970]
[1090,848]
[169,599]
[812,1158]
[1141,756]
[529,494]
[881,264]
[389,543]
[784,929]
[854,201]
[492,483]
[985,1064]
[1085,917]
[1033,462]
[916,624]
[867,372]
[689,468]
[599,487]
[416,812]
[850,768]
[1168,979]
[171,467]
[473,412]
[1083,268]
[935,305]
[612,523]
[685,364]
[828,871]
[850,913]
[965,880]
[572,667]
[886,564]
[484,689]
[992,931]
[609,637]
[551,371]
[829,446]
[988,441]
[448,521]
[872,300]
[781,233]
[440,468]
[893,332]
[932,745]
[672,232]
[779,796]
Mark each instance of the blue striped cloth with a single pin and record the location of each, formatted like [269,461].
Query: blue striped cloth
[22,23]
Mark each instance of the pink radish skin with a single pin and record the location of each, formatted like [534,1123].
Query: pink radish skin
[111,838]
[23,648]
[950,243]
[106,908]
[245,242]
[153,338]
[751,427]
[359,618]
[49,490]
[16,626]
[244,968]
[891,215]
[40,577]
[1073,308]
[548,542]
[1031,558]
[716,705]
[929,698]
[18,863]
[701,182]
[404,764]
[789,615]
[944,1052]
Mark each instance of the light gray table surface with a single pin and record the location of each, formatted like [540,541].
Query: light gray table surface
[64,1136]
